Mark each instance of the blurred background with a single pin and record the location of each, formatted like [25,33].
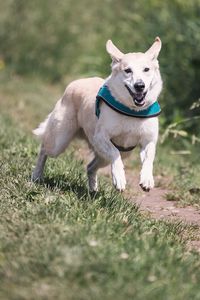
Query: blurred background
[57,40]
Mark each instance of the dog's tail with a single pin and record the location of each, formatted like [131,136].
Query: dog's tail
[41,129]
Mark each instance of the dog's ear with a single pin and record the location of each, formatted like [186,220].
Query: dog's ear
[154,50]
[114,52]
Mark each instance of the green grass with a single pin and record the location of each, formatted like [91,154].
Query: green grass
[180,174]
[186,185]
[57,241]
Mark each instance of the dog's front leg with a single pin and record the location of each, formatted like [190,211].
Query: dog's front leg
[147,156]
[111,154]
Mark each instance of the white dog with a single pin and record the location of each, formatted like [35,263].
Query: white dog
[122,116]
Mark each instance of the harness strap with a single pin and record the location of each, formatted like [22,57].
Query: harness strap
[105,96]
[122,149]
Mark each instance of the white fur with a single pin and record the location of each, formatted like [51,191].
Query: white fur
[75,112]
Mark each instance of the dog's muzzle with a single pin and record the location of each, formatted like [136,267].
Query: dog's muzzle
[138,97]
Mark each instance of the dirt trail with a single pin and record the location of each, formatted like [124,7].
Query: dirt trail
[154,202]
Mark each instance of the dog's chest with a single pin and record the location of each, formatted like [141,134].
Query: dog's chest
[132,132]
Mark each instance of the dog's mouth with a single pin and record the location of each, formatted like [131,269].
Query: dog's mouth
[138,98]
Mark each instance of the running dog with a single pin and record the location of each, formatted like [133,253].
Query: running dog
[114,116]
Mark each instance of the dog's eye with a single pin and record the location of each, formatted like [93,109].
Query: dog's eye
[128,70]
[146,69]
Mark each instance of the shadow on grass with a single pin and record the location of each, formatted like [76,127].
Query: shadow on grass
[61,183]
[107,198]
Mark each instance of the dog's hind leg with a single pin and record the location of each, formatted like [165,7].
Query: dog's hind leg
[92,169]
[56,132]
[38,171]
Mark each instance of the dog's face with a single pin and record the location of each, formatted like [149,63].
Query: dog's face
[135,77]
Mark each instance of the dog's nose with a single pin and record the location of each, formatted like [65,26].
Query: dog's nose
[139,86]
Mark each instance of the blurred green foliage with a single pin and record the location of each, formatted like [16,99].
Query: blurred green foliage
[54,39]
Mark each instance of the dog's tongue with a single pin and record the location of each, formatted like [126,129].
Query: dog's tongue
[139,97]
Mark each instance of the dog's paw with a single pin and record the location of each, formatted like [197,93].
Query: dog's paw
[93,184]
[146,181]
[118,175]
[36,177]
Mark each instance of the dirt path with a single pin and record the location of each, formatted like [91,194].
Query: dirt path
[154,202]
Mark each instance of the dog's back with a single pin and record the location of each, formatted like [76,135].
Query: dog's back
[75,110]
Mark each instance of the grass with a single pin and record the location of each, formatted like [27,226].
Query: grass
[180,174]
[185,188]
[58,241]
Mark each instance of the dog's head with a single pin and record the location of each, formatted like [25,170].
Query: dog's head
[135,79]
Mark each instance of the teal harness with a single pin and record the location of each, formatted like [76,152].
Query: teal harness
[105,96]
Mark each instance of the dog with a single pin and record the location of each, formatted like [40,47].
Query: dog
[113,115]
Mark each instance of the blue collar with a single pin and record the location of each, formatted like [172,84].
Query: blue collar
[105,96]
